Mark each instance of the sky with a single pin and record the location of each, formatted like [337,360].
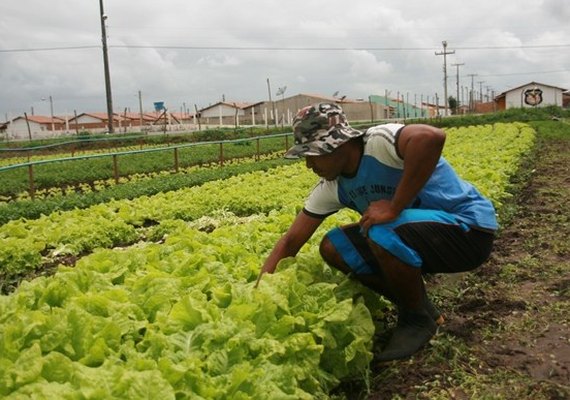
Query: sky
[191,54]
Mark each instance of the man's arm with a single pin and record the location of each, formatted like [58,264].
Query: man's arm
[289,245]
[420,147]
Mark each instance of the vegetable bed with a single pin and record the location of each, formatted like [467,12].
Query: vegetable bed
[161,303]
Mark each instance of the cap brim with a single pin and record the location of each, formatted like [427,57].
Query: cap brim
[318,148]
[305,149]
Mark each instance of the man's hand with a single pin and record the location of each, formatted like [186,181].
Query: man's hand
[263,271]
[258,279]
[378,212]
[289,245]
[420,147]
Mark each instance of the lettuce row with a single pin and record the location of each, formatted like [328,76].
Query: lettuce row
[120,223]
[487,155]
[182,320]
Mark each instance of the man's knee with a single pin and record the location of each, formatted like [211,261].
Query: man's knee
[331,256]
[327,250]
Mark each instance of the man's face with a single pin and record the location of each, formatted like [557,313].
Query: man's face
[327,166]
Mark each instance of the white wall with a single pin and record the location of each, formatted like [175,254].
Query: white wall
[225,110]
[18,130]
[550,96]
[87,119]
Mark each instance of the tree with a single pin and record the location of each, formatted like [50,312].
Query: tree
[452,102]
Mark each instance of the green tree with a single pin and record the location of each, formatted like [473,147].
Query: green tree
[452,102]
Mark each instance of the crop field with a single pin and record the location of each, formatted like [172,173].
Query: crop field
[89,170]
[153,296]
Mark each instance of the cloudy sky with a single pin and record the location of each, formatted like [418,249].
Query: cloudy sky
[188,53]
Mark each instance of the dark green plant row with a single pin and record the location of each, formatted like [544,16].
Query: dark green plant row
[65,173]
[102,141]
[552,129]
[510,115]
[31,209]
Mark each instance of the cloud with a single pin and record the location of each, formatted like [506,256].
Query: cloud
[397,42]
[365,67]
[220,60]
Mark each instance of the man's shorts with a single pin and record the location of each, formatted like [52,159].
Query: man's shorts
[434,241]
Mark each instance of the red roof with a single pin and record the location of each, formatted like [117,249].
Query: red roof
[234,104]
[101,116]
[41,119]
[137,116]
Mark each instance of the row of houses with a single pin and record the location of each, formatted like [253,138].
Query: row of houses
[268,113]
[223,113]
[40,126]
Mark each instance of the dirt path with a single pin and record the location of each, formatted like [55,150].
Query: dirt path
[507,334]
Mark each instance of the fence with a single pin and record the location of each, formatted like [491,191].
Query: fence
[172,149]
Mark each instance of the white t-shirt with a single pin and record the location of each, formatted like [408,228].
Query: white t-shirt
[378,175]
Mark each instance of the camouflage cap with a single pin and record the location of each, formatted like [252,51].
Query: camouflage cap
[320,129]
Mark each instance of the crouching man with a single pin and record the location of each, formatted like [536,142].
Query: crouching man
[418,216]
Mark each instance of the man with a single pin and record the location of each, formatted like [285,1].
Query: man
[418,216]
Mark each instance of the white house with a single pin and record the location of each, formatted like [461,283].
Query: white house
[36,127]
[223,113]
[532,94]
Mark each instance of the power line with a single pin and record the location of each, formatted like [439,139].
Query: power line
[30,50]
[278,48]
[527,73]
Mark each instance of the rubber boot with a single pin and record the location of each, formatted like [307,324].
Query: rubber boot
[433,311]
[413,331]
[415,327]
[378,284]
[416,314]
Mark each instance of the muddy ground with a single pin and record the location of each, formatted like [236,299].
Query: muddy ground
[507,331]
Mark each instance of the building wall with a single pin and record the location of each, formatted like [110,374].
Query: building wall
[286,109]
[87,119]
[484,108]
[87,126]
[18,130]
[263,114]
[224,110]
[550,96]
[402,110]
[501,103]
[365,111]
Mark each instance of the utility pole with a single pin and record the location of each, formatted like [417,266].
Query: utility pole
[457,85]
[471,98]
[272,104]
[51,112]
[141,110]
[281,92]
[487,89]
[481,90]
[444,53]
[106,67]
